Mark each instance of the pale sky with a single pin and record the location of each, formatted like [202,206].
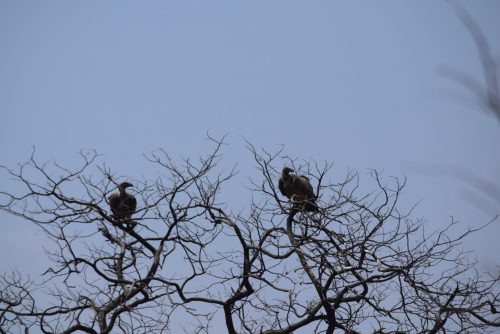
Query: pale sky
[355,83]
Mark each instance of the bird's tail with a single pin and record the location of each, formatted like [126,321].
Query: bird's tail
[130,224]
[311,206]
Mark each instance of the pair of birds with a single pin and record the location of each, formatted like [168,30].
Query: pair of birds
[297,188]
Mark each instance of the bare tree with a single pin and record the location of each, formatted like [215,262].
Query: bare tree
[359,264]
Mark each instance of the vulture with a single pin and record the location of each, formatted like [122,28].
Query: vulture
[123,204]
[298,189]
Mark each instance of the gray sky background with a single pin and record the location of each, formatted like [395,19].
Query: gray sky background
[355,83]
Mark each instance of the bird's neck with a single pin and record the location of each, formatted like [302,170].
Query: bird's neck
[122,191]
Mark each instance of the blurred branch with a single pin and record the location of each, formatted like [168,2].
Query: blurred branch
[489,91]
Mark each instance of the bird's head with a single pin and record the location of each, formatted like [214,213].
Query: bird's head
[124,185]
[287,170]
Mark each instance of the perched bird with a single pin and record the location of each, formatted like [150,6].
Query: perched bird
[298,189]
[123,204]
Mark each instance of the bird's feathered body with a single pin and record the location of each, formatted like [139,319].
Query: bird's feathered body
[122,204]
[298,189]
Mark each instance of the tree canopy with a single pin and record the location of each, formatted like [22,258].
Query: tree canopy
[359,264]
